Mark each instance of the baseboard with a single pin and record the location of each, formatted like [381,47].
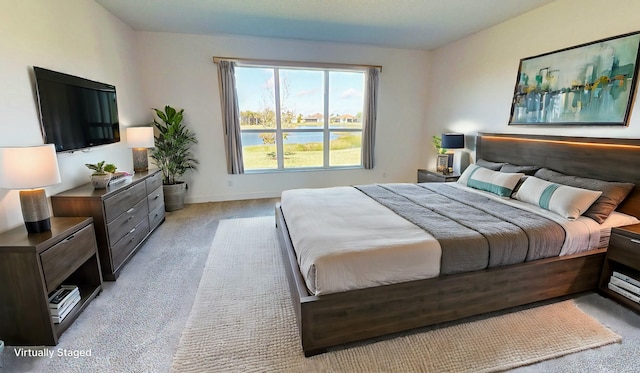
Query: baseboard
[232,197]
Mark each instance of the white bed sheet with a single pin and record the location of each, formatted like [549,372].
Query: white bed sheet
[330,228]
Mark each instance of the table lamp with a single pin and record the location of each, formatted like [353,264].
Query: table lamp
[139,139]
[456,141]
[29,169]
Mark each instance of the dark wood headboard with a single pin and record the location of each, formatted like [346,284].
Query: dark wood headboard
[599,158]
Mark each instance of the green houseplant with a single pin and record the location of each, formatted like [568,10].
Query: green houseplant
[172,154]
[437,143]
[102,173]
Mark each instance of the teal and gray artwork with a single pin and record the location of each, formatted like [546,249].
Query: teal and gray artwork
[588,84]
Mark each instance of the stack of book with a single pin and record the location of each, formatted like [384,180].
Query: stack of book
[62,301]
[626,286]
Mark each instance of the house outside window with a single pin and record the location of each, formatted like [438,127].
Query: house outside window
[300,118]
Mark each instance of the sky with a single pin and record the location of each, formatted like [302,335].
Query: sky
[304,90]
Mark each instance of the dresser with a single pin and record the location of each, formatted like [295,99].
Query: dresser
[32,266]
[124,215]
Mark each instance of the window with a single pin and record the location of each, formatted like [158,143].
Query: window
[300,118]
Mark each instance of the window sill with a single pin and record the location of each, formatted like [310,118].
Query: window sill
[301,169]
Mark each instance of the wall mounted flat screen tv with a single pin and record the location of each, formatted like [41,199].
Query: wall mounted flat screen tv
[76,113]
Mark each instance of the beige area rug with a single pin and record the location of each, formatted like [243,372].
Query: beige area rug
[242,321]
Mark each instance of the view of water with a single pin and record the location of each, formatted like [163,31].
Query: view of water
[249,139]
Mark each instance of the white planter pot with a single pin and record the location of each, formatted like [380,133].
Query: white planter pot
[100,181]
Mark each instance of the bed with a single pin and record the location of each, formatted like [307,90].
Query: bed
[342,316]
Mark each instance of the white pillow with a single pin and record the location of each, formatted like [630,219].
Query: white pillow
[566,201]
[500,183]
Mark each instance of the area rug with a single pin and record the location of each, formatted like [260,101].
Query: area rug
[242,321]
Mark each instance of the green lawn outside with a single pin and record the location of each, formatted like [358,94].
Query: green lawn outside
[345,151]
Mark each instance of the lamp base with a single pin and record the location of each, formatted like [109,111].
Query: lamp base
[461,161]
[140,160]
[38,226]
[35,210]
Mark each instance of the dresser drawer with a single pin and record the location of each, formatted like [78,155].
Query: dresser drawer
[125,222]
[121,250]
[155,217]
[155,198]
[625,250]
[62,259]
[121,202]
[153,182]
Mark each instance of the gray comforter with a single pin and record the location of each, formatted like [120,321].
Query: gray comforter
[475,232]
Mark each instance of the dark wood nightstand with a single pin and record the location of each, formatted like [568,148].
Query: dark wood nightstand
[32,266]
[623,257]
[425,176]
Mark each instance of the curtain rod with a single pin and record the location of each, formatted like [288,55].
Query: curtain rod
[250,61]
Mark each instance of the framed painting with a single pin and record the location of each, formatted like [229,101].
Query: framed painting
[589,84]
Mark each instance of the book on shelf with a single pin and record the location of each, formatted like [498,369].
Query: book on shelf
[62,311]
[72,300]
[60,314]
[626,278]
[625,285]
[62,295]
[627,294]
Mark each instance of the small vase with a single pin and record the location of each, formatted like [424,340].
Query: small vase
[100,181]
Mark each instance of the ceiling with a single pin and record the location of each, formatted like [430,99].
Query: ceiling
[415,24]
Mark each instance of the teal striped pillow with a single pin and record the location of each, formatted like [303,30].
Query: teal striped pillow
[500,183]
[566,201]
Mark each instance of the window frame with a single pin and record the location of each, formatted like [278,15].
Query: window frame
[326,128]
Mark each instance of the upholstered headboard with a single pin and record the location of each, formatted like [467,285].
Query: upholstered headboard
[599,158]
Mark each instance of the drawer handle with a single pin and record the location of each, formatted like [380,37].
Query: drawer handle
[131,210]
[157,196]
[635,240]
[70,238]
[131,231]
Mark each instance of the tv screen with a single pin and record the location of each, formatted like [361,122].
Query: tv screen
[76,113]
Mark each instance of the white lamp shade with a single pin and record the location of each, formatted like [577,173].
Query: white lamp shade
[140,137]
[28,167]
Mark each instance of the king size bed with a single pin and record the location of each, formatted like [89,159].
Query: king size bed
[372,260]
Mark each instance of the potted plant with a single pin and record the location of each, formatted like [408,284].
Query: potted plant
[443,159]
[102,174]
[172,154]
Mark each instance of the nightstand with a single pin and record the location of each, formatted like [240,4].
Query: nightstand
[425,176]
[623,257]
[34,265]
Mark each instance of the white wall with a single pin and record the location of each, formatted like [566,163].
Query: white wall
[178,70]
[472,80]
[76,37]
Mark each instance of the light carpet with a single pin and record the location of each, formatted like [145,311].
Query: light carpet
[242,321]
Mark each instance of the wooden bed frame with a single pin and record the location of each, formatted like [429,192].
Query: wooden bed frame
[334,319]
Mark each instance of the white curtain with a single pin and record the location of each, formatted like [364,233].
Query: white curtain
[230,117]
[369,117]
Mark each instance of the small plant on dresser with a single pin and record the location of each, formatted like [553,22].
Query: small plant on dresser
[102,173]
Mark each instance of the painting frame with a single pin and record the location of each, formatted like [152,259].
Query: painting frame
[585,85]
